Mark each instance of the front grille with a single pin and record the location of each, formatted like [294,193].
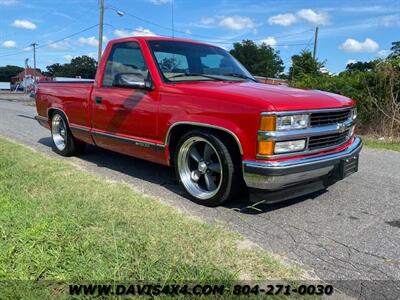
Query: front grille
[328,140]
[328,118]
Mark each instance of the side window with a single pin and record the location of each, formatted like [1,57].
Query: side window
[125,58]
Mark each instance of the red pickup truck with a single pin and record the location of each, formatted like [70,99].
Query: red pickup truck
[193,106]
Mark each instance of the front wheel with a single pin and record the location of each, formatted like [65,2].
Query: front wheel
[64,143]
[205,168]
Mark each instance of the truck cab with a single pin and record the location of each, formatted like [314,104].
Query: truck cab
[194,107]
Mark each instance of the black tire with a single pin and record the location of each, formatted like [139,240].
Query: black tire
[72,146]
[229,179]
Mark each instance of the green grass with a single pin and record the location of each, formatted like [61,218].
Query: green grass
[58,223]
[387,145]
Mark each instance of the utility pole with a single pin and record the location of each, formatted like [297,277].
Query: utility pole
[315,42]
[24,81]
[101,21]
[34,54]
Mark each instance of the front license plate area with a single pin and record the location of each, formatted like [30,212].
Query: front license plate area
[348,166]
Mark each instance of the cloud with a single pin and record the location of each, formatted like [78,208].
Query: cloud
[352,45]
[282,19]
[383,53]
[92,55]
[270,41]
[236,22]
[25,24]
[311,16]
[159,2]
[139,31]
[391,20]
[207,21]
[351,61]
[91,41]
[9,44]
[8,2]
[59,45]
[68,57]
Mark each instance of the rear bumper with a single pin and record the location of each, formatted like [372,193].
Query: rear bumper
[273,176]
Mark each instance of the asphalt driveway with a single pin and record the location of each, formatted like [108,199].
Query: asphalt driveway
[348,235]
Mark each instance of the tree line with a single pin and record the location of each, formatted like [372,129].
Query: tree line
[375,85]
[83,66]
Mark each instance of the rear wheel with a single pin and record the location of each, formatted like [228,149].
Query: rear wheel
[205,168]
[64,143]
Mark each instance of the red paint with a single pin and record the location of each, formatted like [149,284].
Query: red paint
[147,115]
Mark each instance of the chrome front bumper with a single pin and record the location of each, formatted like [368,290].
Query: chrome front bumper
[273,176]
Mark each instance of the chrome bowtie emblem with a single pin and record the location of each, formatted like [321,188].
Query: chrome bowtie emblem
[341,127]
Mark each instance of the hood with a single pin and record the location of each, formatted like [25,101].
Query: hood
[264,96]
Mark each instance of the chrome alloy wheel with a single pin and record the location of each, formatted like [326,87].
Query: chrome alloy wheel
[59,132]
[200,168]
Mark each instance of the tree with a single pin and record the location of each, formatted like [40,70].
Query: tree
[395,50]
[54,69]
[304,64]
[9,71]
[83,66]
[361,66]
[261,60]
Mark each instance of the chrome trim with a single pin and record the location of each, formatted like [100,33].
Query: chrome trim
[38,117]
[167,137]
[297,112]
[43,121]
[59,109]
[304,133]
[136,142]
[59,132]
[296,134]
[304,152]
[274,175]
[79,128]
[185,169]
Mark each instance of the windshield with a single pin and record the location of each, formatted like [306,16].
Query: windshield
[185,61]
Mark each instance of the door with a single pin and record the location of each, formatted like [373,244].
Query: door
[121,115]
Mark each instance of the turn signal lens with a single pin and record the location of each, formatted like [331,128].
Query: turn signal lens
[266,147]
[268,123]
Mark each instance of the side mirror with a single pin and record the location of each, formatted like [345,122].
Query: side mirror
[132,80]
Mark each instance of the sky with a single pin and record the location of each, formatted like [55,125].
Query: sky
[357,30]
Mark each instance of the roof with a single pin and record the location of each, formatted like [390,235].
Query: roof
[158,38]
[29,72]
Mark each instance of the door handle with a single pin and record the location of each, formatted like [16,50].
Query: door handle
[98,100]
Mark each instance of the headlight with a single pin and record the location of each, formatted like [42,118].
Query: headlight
[290,146]
[292,122]
[353,113]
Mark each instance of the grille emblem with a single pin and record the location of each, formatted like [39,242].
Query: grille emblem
[341,127]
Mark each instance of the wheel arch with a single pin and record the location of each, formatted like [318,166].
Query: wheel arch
[177,129]
[52,110]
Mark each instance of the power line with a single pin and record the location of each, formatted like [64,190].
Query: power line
[193,34]
[53,42]
[69,36]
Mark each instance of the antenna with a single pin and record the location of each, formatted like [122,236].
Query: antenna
[172,18]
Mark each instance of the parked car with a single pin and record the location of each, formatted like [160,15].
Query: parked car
[192,106]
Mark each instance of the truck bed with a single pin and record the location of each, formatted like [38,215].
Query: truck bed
[73,100]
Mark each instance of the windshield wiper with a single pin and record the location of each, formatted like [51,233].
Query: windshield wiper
[196,74]
[240,76]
